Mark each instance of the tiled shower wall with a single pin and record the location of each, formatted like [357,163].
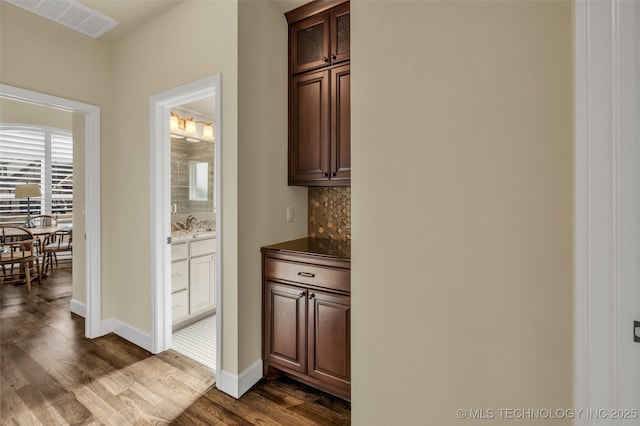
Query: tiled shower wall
[330,213]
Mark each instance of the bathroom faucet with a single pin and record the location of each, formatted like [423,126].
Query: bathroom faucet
[189,222]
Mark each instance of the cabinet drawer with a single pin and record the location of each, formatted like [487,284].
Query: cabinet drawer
[179,251]
[179,306]
[200,247]
[320,276]
[179,275]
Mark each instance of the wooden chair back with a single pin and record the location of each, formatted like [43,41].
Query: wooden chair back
[44,220]
[57,247]
[17,255]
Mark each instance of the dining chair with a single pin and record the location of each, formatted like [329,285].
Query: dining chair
[17,255]
[57,248]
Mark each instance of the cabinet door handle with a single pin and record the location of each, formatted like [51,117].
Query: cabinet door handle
[306,274]
[311,296]
[325,59]
[334,174]
[302,293]
[333,56]
[325,174]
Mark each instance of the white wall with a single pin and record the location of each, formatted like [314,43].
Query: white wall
[462,209]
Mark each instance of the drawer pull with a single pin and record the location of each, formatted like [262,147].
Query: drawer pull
[306,274]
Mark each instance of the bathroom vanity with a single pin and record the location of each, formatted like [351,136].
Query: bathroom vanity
[193,266]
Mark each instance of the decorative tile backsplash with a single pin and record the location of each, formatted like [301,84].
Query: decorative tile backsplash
[330,213]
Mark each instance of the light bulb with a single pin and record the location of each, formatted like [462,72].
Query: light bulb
[207,132]
[174,123]
[190,128]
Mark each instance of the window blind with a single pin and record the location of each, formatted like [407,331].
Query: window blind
[40,155]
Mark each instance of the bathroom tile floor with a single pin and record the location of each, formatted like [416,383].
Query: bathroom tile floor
[198,341]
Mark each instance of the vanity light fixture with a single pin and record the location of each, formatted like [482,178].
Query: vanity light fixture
[181,127]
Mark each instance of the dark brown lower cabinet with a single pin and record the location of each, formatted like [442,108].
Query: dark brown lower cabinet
[286,313]
[307,322]
[329,335]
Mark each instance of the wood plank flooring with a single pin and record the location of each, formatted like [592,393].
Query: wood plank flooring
[52,375]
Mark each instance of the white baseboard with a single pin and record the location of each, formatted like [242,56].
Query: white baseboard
[236,386]
[127,332]
[78,308]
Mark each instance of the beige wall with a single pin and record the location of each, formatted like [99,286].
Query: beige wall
[263,194]
[462,164]
[192,41]
[25,113]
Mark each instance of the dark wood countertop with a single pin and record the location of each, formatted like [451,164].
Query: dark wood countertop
[316,246]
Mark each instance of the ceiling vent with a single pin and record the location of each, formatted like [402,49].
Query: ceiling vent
[70,14]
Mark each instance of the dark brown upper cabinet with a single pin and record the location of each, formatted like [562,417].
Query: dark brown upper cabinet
[319,35]
[319,95]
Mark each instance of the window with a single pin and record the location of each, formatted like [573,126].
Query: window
[198,181]
[40,155]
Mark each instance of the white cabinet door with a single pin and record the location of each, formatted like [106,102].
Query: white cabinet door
[202,283]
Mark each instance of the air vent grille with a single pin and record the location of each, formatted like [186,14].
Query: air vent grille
[70,14]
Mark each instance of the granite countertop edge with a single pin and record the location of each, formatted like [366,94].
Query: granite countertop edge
[333,249]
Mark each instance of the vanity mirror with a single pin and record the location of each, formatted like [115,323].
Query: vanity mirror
[192,176]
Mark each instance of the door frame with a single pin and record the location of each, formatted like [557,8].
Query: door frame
[607,205]
[92,207]
[160,106]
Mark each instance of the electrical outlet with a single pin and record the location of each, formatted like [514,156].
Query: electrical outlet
[636,331]
[290,214]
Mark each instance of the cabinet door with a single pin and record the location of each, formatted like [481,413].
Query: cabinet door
[330,338]
[341,123]
[309,131]
[309,40]
[201,284]
[285,311]
[340,34]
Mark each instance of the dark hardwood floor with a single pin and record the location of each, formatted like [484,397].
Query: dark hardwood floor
[52,375]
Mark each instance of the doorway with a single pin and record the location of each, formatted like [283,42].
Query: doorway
[88,117]
[162,207]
